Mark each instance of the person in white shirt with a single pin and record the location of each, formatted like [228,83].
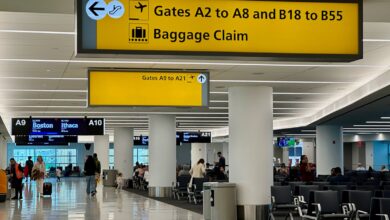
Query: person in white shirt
[119,181]
[360,167]
[39,173]
[197,171]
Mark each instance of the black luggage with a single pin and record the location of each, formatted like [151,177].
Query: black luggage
[47,189]
[129,184]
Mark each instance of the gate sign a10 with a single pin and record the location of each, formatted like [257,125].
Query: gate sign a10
[57,126]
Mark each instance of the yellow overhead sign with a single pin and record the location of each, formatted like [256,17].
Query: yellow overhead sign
[227,27]
[138,88]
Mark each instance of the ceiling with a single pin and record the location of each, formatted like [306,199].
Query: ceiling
[41,77]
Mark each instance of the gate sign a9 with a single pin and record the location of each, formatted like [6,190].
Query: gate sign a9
[57,126]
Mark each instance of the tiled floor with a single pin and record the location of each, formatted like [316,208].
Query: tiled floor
[69,201]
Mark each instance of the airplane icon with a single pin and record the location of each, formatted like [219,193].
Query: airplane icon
[140,6]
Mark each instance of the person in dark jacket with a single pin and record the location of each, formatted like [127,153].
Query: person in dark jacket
[338,178]
[29,165]
[16,178]
[90,170]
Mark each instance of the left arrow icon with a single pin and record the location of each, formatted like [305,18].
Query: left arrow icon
[96,9]
[93,8]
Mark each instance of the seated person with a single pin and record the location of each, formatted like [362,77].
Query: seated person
[185,171]
[283,170]
[332,174]
[338,177]
[384,169]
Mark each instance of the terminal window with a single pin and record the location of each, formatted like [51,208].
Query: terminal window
[52,157]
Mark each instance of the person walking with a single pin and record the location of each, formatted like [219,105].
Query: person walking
[197,171]
[98,171]
[16,178]
[29,166]
[90,170]
[58,174]
[38,174]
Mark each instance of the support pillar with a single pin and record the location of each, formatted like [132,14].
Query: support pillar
[123,151]
[3,153]
[251,149]
[198,151]
[162,154]
[101,148]
[329,150]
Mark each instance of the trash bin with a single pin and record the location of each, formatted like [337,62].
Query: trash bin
[206,200]
[223,201]
[109,177]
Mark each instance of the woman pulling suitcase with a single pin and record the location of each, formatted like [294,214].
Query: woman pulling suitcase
[39,173]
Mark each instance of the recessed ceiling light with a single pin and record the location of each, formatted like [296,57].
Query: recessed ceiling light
[384,126]
[385,117]
[378,122]
[48,70]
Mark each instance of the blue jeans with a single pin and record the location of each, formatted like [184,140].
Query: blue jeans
[91,182]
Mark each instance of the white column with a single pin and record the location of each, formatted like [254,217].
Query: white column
[3,153]
[369,155]
[162,154]
[123,151]
[308,150]
[251,147]
[285,156]
[329,150]
[198,151]
[100,147]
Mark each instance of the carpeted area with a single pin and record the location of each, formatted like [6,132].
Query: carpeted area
[178,203]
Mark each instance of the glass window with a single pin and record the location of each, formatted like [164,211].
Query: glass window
[51,157]
[111,157]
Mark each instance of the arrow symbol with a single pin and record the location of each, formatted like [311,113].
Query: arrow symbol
[93,9]
[201,77]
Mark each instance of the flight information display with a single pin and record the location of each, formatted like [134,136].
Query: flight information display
[57,126]
[45,140]
[181,137]
[195,137]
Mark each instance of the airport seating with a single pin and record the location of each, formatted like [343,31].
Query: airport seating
[357,203]
[195,191]
[380,208]
[326,206]
[282,203]
[180,187]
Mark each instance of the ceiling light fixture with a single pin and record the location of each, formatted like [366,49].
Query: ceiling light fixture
[191,63]
[38,32]
[388,126]
[378,122]
[279,81]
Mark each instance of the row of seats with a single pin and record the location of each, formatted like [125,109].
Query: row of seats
[312,203]
[193,192]
[357,177]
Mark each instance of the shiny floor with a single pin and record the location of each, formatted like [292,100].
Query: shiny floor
[69,201]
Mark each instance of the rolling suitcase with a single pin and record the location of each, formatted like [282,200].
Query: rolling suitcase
[47,189]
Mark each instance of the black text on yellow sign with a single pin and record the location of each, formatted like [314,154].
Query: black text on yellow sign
[239,28]
[148,88]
